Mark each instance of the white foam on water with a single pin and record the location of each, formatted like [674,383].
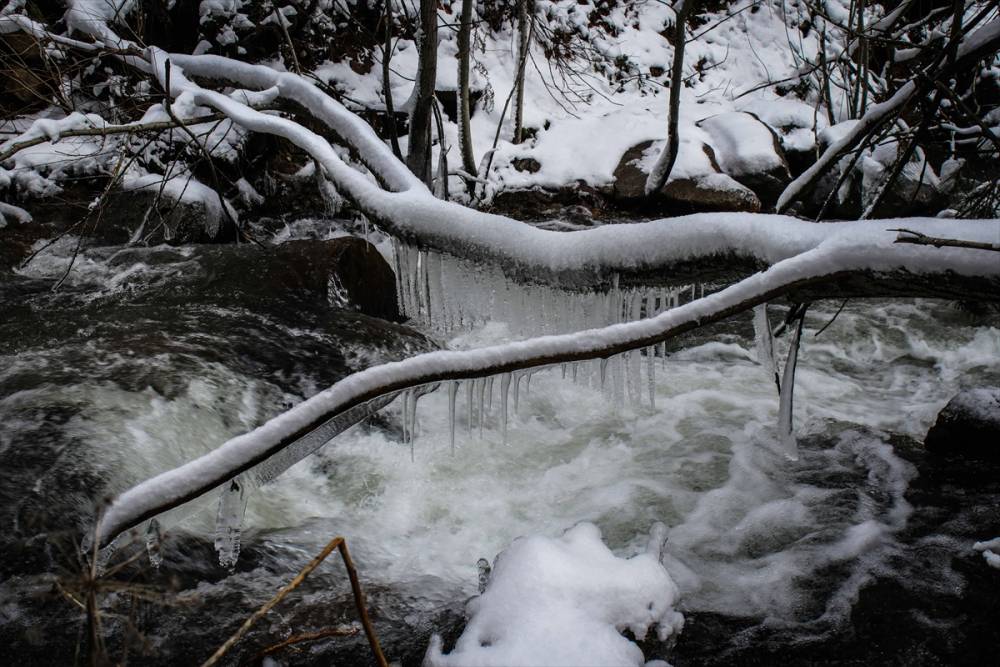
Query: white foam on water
[748,531]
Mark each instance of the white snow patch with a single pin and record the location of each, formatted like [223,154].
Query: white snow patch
[564,601]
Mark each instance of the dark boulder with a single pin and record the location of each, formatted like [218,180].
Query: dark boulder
[345,272]
[969,425]
[154,218]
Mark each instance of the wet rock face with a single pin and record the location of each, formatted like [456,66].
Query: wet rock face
[345,272]
[968,426]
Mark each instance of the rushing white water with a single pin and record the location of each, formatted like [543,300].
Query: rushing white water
[748,529]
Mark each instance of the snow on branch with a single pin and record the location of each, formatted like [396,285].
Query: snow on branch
[980,43]
[89,125]
[868,258]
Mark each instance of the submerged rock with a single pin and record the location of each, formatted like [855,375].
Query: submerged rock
[969,425]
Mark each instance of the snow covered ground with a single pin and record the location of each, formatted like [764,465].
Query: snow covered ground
[577,141]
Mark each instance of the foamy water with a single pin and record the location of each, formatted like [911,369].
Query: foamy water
[750,533]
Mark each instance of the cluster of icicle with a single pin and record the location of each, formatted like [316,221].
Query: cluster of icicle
[447,295]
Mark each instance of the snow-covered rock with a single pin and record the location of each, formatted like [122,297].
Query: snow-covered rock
[151,210]
[564,601]
[701,189]
[749,151]
[969,425]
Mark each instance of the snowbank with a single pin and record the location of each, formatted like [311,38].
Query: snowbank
[563,601]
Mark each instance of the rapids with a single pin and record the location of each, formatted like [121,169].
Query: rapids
[766,551]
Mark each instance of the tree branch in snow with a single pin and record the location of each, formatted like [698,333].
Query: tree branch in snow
[107,130]
[918,238]
[967,51]
[660,172]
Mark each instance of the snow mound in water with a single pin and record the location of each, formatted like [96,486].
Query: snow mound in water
[562,601]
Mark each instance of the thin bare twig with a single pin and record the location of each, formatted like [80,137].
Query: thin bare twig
[359,602]
[918,238]
[298,639]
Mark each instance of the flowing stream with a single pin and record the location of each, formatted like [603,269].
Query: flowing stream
[770,555]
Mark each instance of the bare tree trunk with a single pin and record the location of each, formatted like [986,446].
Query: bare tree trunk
[464,106]
[665,163]
[441,180]
[419,157]
[390,111]
[525,17]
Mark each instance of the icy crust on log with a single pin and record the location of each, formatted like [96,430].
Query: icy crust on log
[868,248]
[563,601]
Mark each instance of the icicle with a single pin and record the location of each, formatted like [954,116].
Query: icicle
[630,385]
[436,316]
[527,382]
[504,389]
[563,368]
[618,379]
[154,543]
[489,394]
[575,365]
[785,432]
[468,404]
[604,371]
[452,393]
[765,343]
[480,397]
[411,417]
[404,414]
[397,253]
[517,389]
[229,522]
[651,375]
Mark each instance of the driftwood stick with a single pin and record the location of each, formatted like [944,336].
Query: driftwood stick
[299,639]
